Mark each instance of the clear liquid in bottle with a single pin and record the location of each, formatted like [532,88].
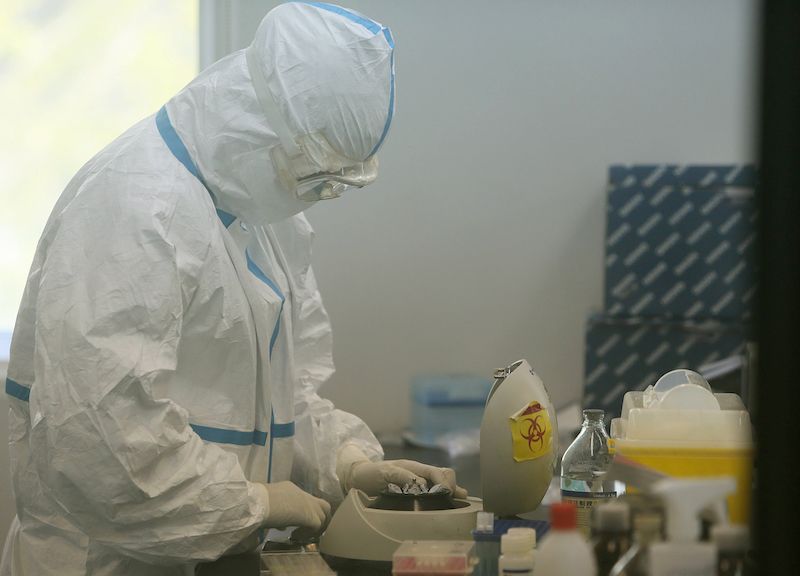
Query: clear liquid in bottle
[584,467]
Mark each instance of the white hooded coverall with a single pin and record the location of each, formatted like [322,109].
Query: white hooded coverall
[171,339]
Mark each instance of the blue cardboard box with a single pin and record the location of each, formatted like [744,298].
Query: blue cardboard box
[625,354]
[680,242]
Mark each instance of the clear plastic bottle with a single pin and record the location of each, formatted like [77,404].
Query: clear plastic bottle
[584,467]
[564,551]
[611,533]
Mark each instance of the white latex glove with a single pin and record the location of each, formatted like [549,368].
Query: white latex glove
[287,505]
[355,470]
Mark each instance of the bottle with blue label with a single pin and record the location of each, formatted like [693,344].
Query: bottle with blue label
[584,468]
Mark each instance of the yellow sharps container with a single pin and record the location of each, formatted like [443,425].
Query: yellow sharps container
[681,428]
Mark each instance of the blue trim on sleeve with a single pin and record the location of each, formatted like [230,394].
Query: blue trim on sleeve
[225,436]
[18,390]
[207,433]
[178,149]
[282,430]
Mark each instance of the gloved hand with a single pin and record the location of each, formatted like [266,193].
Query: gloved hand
[355,470]
[287,505]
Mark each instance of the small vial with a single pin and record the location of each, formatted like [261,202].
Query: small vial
[484,522]
[516,552]
[487,545]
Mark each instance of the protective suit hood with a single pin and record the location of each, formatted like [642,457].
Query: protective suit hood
[330,72]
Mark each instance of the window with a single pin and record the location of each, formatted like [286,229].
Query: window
[74,74]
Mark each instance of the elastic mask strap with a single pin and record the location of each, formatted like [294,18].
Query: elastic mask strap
[269,106]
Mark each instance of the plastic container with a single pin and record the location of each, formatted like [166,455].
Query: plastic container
[564,551]
[443,404]
[683,552]
[528,533]
[517,552]
[681,428]
[487,539]
[583,469]
[434,558]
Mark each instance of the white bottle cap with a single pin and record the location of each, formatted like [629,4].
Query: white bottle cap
[731,537]
[514,543]
[528,533]
[485,522]
[684,498]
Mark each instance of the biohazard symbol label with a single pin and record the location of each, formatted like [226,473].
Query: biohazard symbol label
[531,432]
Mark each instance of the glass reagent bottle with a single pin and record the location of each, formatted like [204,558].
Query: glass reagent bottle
[584,467]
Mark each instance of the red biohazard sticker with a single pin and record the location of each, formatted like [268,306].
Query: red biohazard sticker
[531,432]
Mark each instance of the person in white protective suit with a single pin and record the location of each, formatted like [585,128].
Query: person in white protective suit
[171,340]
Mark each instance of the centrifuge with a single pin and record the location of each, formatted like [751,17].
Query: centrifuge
[518,454]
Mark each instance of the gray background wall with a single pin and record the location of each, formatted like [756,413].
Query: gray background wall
[481,242]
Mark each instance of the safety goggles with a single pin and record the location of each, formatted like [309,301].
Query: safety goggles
[308,165]
[317,172]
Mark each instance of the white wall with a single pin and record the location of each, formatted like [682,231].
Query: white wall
[481,242]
